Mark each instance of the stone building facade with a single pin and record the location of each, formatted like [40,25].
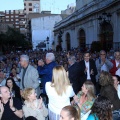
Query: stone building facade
[83,26]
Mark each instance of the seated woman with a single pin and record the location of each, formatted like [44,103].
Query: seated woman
[101,109]
[33,106]
[108,90]
[15,76]
[59,92]
[85,98]
[70,113]
[116,79]
[14,89]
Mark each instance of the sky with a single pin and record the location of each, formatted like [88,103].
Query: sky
[53,5]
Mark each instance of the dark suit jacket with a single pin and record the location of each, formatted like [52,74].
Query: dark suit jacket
[74,76]
[83,74]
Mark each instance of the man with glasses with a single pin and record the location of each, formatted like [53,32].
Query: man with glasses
[102,64]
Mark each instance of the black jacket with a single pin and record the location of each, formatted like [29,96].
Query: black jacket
[83,74]
[74,76]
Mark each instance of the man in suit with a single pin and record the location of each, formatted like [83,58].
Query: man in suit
[88,69]
[28,75]
[73,73]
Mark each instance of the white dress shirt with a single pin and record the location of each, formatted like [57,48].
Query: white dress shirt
[88,70]
[118,71]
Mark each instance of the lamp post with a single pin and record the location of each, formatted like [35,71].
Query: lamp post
[47,41]
[104,21]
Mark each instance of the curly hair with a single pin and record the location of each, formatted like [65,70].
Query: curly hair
[105,79]
[26,92]
[102,107]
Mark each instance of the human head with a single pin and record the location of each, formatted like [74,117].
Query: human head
[105,78]
[2,75]
[71,59]
[24,60]
[60,79]
[50,57]
[102,54]
[117,55]
[30,118]
[102,108]
[88,89]
[86,56]
[10,83]
[116,80]
[69,113]
[29,94]
[4,93]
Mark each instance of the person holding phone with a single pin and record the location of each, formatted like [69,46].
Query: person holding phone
[10,108]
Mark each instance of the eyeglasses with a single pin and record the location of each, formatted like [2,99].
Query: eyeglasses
[102,54]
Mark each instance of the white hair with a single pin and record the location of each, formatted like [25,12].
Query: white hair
[25,57]
[50,56]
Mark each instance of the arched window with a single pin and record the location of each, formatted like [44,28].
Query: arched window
[82,39]
[106,36]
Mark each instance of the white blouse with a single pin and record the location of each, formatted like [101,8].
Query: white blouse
[57,102]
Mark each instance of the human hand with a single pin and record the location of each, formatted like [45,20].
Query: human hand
[1,108]
[11,103]
[40,103]
[91,72]
[76,99]
[86,69]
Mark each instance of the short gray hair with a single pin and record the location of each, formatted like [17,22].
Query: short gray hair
[25,58]
[50,56]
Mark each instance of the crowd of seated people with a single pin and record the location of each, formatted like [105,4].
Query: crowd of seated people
[97,97]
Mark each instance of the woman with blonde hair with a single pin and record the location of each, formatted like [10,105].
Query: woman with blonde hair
[85,98]
[59,92]
[32,106]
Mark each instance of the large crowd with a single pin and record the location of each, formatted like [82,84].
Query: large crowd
[64,85]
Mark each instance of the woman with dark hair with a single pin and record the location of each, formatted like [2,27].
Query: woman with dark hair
[101,109]
[14,89]
[108,90]
[116,79]
[70,113]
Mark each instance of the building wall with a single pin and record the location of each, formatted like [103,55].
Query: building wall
[82,3]
[42,28]
[86,18]
[15,19]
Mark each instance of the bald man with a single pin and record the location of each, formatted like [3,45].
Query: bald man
[10,108]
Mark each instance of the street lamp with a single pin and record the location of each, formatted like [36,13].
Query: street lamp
[104,21]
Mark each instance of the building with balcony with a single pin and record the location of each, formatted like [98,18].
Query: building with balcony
[93,20]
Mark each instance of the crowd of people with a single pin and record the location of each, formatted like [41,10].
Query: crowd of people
[49,85]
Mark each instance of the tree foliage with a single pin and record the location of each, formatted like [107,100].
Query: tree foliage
[13,39]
